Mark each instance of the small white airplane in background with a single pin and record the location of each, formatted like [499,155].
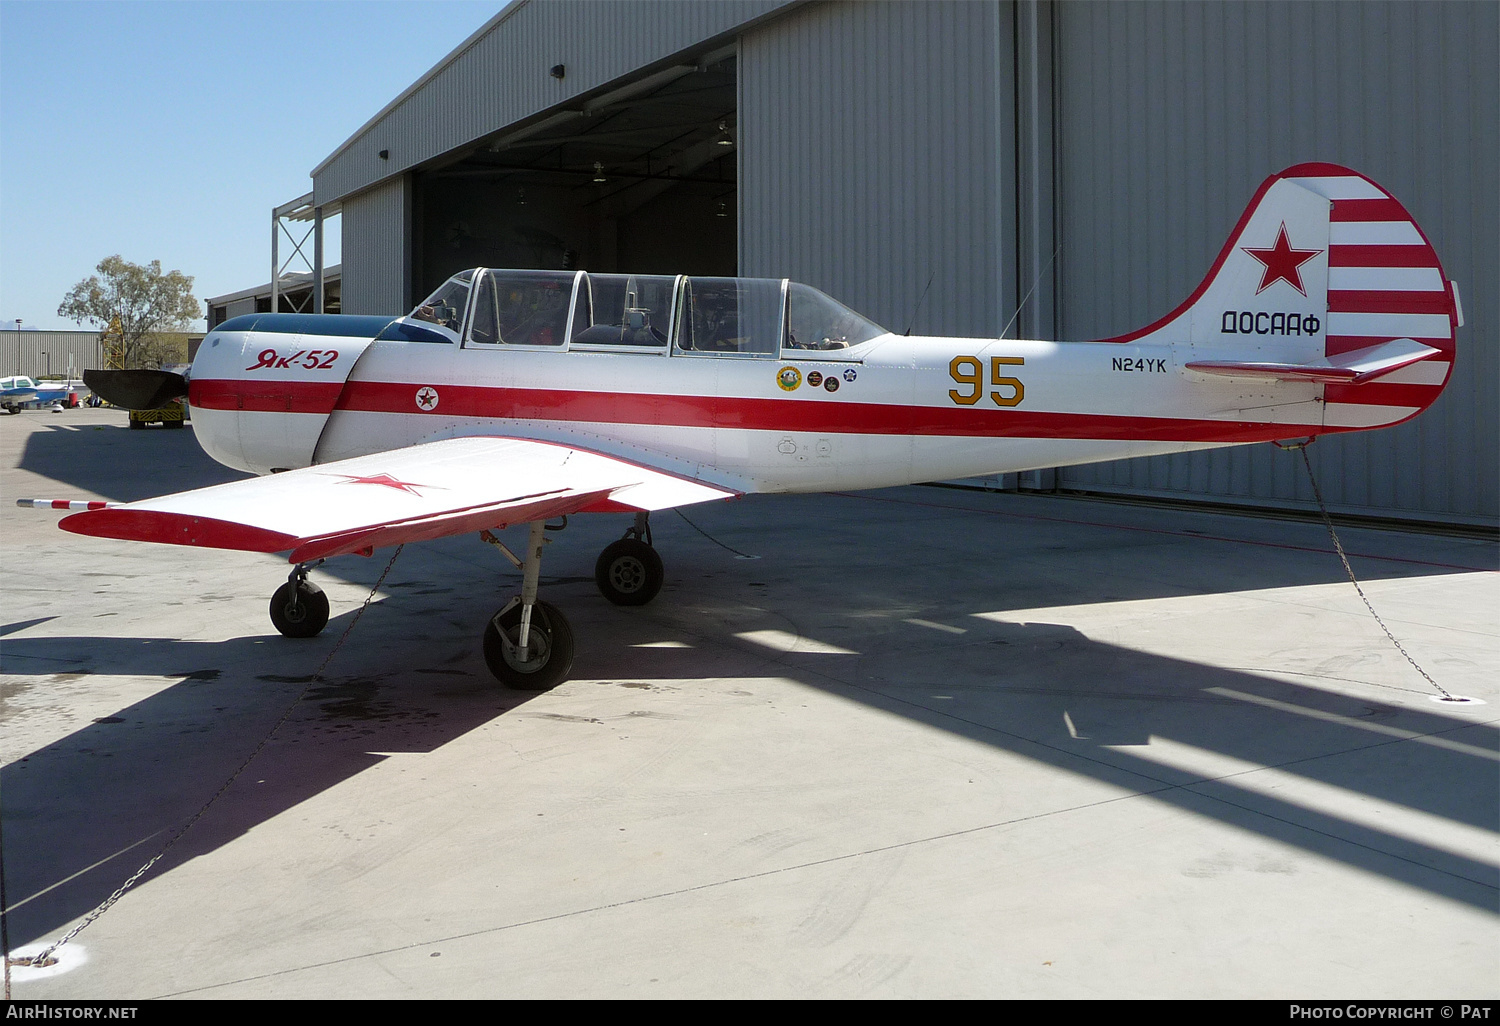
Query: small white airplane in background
[16,392]
[513,397]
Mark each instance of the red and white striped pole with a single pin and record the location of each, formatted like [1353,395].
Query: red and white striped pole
[65,504]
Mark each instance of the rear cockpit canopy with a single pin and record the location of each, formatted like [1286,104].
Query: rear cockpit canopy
[755,317]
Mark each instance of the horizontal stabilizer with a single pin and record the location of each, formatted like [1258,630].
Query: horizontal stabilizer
[137,389]
[1353,368]
[452,486]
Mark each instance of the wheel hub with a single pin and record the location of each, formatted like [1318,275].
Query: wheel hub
[627,573]
[538,650]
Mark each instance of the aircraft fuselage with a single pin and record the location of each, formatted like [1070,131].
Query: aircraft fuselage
[895,410]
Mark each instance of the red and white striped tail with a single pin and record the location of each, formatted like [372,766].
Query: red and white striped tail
[64,504]
[1384,282]
[1326,279]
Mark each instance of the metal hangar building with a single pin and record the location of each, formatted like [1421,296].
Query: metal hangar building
[1091,156]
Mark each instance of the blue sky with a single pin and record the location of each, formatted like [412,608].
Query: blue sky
[168,130]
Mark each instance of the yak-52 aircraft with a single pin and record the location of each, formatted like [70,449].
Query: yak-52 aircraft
[512,397]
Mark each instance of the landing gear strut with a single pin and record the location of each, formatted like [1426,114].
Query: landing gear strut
[629,572]
[299,609]
[528,645]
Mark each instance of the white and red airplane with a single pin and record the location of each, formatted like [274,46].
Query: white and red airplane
[513,397]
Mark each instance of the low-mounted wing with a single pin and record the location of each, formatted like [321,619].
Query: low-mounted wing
[427,491]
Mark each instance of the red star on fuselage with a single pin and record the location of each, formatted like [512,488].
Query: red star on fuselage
[1282,262]
[386,480]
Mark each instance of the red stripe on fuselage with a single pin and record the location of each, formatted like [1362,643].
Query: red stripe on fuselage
[265,396]
[815,416]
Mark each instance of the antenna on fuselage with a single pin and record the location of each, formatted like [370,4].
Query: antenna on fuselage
[1022,304]
[919,302]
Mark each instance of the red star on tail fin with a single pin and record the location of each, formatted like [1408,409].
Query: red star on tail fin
[1282,262]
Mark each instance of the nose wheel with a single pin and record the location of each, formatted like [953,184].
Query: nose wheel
[629,572]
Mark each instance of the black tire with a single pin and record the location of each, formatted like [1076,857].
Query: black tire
[302,613]
[629,572]
[550,646]
[173,423]
[136,424]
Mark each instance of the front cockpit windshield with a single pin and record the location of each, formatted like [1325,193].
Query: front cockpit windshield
[730,315]
[819,322]
[446,306]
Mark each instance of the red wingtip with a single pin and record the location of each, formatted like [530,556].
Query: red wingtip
[175,529]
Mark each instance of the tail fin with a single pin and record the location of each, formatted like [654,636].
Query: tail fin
[1325,278]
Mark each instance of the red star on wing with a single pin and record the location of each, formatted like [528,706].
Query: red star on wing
[1282,262]
[387,480]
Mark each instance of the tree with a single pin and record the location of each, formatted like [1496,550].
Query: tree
[146,303]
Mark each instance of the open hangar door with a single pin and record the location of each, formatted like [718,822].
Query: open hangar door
[641,178]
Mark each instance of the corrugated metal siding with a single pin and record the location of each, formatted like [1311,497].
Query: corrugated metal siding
[503,77]
[21,351]
[874,150]
[1169,117]
[239,307]
[376,232]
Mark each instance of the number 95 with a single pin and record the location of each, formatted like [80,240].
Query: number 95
[967,371]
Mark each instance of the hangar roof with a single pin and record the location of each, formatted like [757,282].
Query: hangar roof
[502,76]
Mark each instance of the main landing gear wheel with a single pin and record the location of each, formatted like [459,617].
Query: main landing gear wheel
[299,609]
[629,572]
[549,648]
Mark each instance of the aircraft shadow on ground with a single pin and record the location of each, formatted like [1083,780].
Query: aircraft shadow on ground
[85,812]
[121,465]
[78,820]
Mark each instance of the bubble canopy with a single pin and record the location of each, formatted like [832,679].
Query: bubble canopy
[679,314]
